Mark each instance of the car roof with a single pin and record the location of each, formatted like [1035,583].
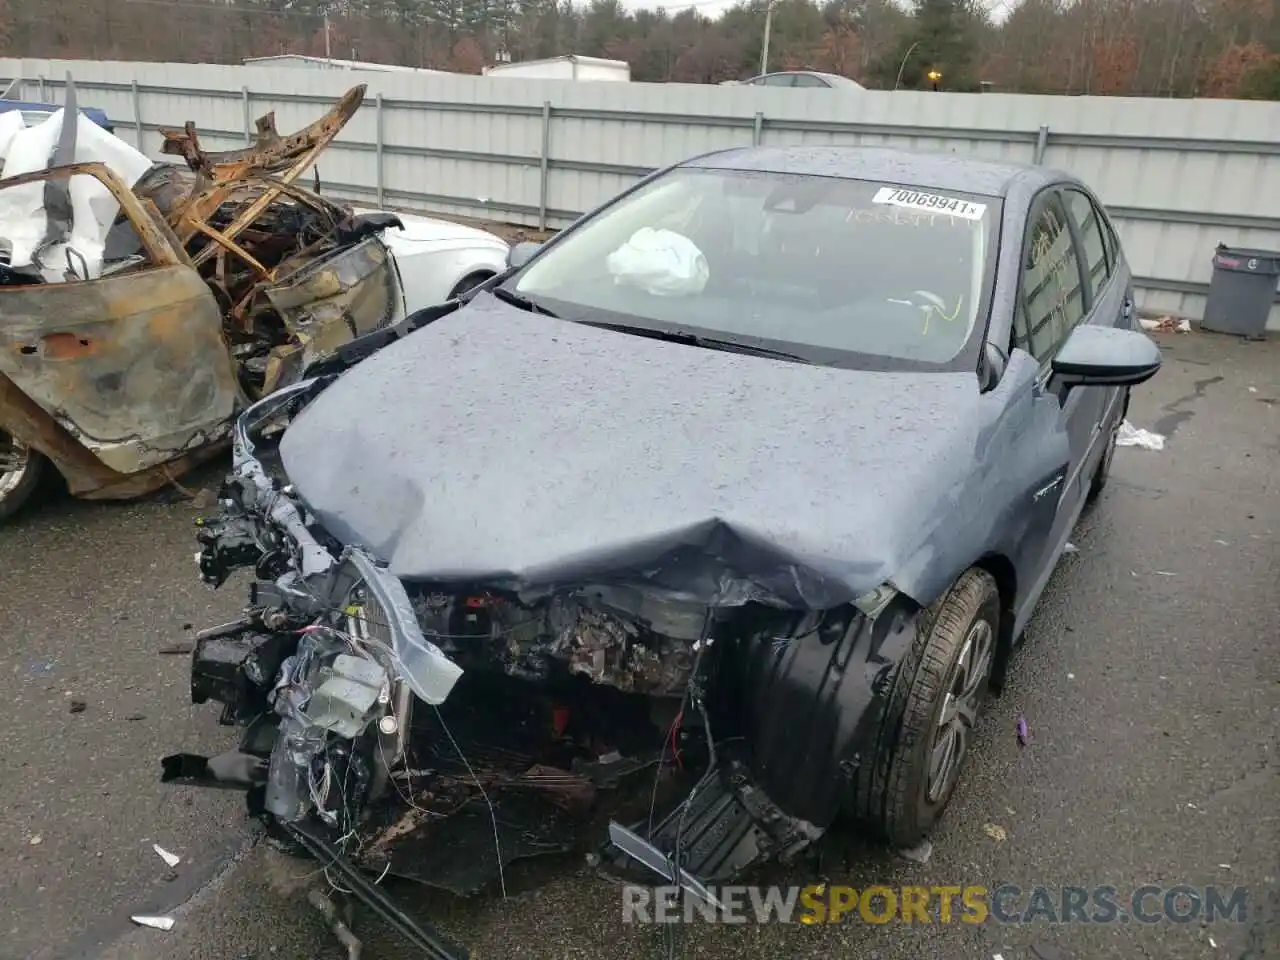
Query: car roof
[941,171]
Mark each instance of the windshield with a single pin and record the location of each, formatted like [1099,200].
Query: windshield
[831,269]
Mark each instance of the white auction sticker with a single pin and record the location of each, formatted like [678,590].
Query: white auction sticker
[929,202]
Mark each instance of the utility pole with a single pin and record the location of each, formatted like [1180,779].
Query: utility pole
[327,54]
[768,26]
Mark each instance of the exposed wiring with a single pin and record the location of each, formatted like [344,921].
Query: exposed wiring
[493,814]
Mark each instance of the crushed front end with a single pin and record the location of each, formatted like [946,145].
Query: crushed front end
[440,733]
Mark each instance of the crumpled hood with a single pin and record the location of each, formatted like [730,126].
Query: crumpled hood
[501,447]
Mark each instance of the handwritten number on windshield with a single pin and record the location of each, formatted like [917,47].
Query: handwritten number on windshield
[930,310]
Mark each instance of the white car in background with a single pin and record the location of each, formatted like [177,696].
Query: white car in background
[438,260]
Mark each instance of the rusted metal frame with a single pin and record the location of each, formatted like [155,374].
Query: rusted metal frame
[157,243]
[268,197]
[270,149]
[226,171]
[231,247]
[302,195]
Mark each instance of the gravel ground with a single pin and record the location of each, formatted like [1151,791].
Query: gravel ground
[1150,685]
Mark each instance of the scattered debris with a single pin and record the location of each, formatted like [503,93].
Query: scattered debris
[1165,573]
[1225,866]
[1253,389]
[996,956]
[920,853]
[1071,676]
[1166,324]
[1222,542]
[36,840]
[170,858]
[205,499]
[340,929]
[1213,943]
[1070,548]
[177,648]
[1131,436]
[152,921]
[136,716]
[39,669]
[79,706]
[995,832]
[1023,735]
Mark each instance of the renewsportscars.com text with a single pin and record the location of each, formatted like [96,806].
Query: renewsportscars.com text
[971,904]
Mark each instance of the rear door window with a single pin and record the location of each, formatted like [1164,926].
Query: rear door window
[1092,237]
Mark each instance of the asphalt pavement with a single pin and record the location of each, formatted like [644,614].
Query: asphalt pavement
[1150,685]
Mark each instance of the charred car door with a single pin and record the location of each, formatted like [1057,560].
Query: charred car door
[112,370]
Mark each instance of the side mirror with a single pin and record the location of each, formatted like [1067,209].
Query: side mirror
[1105,357]
[521,254]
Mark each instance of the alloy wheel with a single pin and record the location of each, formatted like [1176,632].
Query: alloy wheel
[15,458]
[960,707]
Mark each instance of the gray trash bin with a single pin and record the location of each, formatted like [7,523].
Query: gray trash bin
[1241,291]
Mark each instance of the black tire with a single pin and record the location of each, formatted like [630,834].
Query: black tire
[896,797]
[1103,473]
[469,282]
[14,499]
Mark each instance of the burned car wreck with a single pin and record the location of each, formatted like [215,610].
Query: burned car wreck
[143,304]
[604,549]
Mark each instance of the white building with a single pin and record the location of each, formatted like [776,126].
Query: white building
[570,67]
[297,61]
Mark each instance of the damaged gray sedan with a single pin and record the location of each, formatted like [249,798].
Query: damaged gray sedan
[711,522]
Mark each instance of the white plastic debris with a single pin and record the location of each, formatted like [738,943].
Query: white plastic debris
[1213,943]
[920,853]
[1071,676]
[1070,548]
[152,921]
[1131,436]
[661,262]
[172,859]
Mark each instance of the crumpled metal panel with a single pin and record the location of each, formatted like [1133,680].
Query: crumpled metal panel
[329,302]
[132,365]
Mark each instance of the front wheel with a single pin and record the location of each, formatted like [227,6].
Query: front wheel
[20,470]
[939,695]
